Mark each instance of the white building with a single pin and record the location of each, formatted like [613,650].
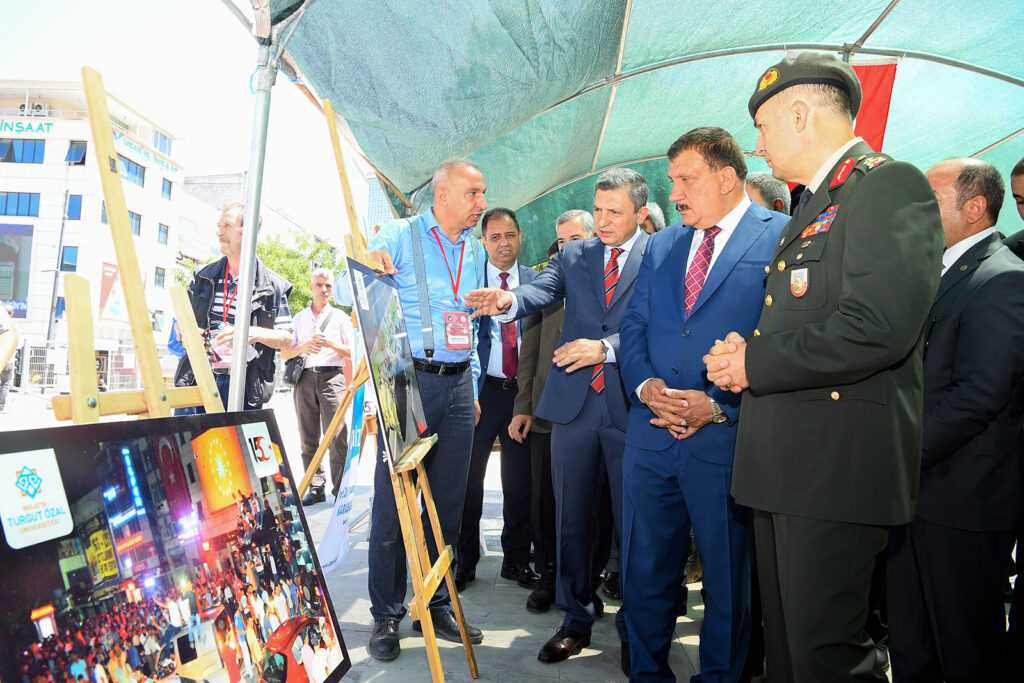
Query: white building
[53,220]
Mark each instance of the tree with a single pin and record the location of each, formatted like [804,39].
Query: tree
[295,261]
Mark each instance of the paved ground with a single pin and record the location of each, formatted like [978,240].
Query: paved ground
[512,636]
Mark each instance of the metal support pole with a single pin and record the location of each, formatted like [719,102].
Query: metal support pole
[250,226]
[60,261]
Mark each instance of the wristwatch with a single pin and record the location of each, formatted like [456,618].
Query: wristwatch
[607,348]
[717,414]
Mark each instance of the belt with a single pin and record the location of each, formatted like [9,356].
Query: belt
[324,368]
[440,368]
[501,382]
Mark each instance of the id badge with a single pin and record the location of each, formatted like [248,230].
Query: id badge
[457,331]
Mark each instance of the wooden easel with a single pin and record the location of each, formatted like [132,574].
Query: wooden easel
[409,481]
[85,403]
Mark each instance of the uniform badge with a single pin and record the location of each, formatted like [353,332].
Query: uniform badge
[842,173]
[822,223]
[805,244]
[798,282]
[873,161]
[769,77]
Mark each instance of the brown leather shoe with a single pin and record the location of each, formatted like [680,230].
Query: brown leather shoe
[562,645]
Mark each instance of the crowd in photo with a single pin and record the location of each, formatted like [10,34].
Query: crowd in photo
[262,579]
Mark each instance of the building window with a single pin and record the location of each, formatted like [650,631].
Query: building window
[166,191]
[161,234]
[136,221]
[161,142]
[19,203]
[76,153]
[19,151]
[131,171]
[158,277]
[158,320]
[75,207]
[58,312]
[69,259]
[103,212]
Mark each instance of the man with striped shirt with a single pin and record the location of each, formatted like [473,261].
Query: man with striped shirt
[213,292]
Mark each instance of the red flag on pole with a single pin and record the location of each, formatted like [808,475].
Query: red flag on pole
[876,84]
[172,475]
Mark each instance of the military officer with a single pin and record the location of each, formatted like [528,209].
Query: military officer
[829,449]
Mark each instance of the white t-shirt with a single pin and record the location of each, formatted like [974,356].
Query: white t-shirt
[174,613]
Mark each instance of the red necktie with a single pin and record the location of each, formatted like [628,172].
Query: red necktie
[611,278]
[509,350]
[698,271]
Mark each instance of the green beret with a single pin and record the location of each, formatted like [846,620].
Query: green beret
[807,67]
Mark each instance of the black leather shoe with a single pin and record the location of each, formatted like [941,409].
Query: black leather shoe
[562,645]
[624,659]
[446,627]
[521,574]
[610,586]
[881,660]
[383,645]
[541,599]
[314,495]
[464,576]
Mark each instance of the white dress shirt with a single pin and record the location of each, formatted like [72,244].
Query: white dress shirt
[819,177]
[953,254]
[494,360]
[339,330]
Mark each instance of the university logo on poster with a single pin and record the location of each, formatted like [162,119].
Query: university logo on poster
[33,504]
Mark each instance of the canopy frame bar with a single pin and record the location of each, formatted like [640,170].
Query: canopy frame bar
[997,143]
[871,29]
[615,88]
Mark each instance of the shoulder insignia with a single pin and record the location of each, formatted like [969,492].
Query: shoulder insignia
[871,162]
[842,173]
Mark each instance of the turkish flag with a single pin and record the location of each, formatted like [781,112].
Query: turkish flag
[876,85]
[179,501]
[221,466]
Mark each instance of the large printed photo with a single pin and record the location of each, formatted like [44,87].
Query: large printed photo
[165,550]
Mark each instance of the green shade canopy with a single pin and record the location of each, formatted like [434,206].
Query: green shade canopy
[544,94]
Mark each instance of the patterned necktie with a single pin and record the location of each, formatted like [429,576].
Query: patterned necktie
[509,352]
[698,271]
[611,278]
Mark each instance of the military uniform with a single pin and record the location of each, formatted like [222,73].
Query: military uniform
[828,452]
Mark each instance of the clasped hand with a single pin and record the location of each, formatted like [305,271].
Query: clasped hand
[726,363]
[681,411]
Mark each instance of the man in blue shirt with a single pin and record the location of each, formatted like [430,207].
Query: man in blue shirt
[454,265]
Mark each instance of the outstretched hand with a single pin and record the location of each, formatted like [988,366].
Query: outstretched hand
[488,301]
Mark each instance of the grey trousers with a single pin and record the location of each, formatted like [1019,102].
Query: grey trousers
[317,396]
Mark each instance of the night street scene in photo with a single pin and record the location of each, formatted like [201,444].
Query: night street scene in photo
[164,550]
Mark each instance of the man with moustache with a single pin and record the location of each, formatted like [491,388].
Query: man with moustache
[446,370]
[829,449]
[584,397]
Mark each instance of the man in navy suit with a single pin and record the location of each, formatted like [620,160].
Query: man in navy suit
[584,398]
[699,279]
[498,349]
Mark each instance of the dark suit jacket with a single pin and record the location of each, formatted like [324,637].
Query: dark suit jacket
[831,423]
[577,275]
[974,393]
[1015,242]
[658,339]
[483,345]
[535,353]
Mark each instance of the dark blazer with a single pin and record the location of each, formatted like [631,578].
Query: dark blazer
[483,345]
[535,353]
[974,393]
[577,275]
[658,339]
[831,424]
[1015,243]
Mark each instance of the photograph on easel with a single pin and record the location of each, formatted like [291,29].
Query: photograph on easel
[166,549]
[390,358]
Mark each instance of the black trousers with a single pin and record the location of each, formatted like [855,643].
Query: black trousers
[542,504]
[495,415]
[946,613]
[815,578]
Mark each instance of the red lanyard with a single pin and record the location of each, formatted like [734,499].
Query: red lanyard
[227,301]
[458,278]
